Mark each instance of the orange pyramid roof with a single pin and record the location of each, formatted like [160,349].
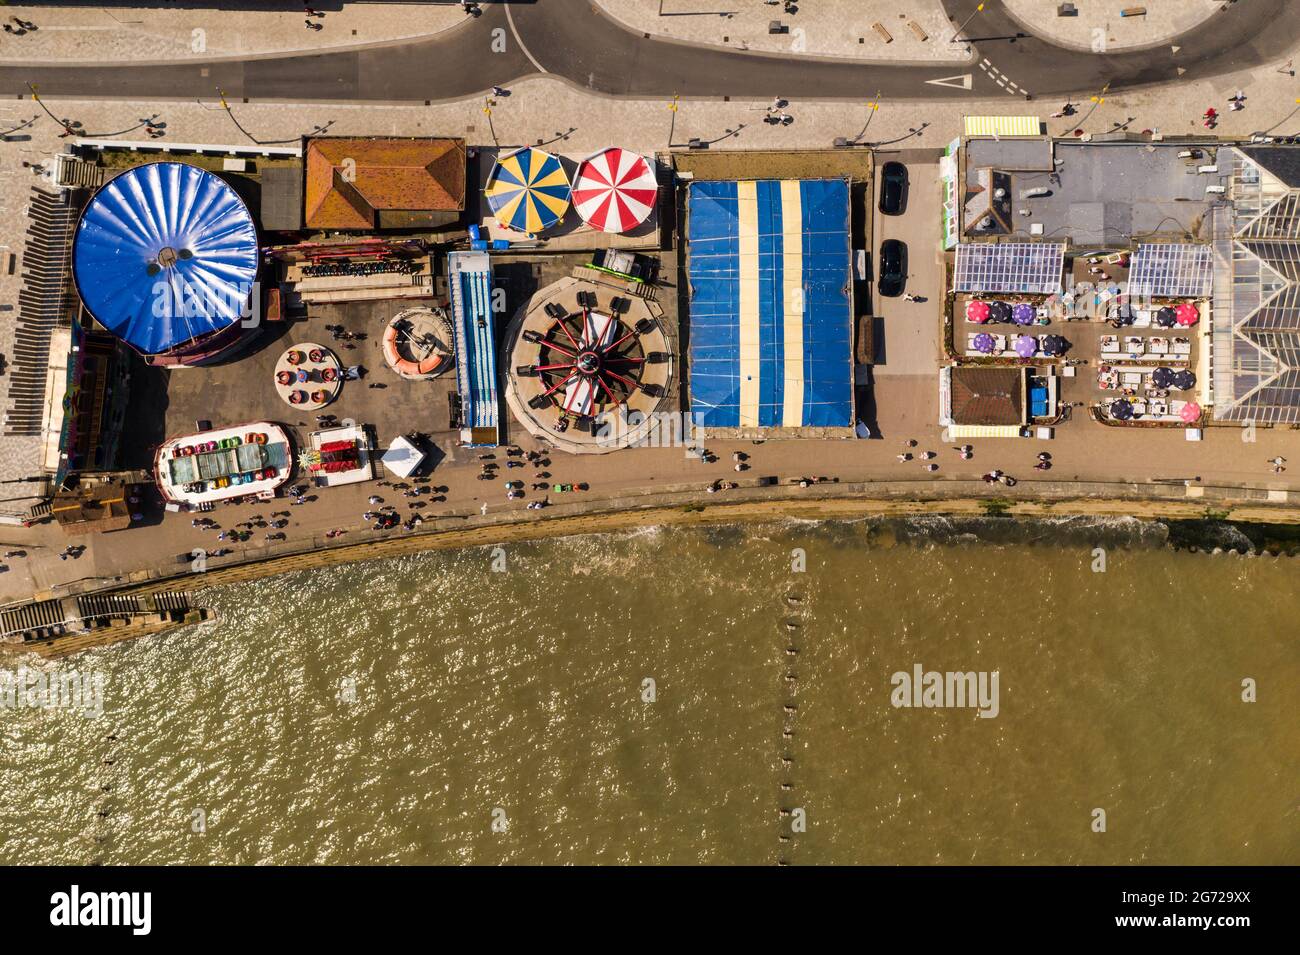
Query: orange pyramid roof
[350,181]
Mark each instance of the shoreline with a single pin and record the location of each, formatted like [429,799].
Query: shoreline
[690,511]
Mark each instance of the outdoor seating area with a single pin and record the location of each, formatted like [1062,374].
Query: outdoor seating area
[1023,346]
[1145,348]
[1180,315]
[1134,379]
[1022,312]
[1148,393]
[1161,410]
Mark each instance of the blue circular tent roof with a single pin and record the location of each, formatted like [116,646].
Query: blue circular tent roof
[165,253]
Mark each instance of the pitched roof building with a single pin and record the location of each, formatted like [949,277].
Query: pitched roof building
[979,395]
[361,185]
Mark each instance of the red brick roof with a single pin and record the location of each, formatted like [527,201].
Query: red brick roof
[989,396]
[351,181]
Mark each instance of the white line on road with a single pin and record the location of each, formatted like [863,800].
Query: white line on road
[1004,81]
[962,82]
[519,40]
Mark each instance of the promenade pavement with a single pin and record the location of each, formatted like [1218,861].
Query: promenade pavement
[1083,451]
[97,33]
[1099,26]
[843,28]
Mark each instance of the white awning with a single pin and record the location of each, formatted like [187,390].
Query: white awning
[402,457]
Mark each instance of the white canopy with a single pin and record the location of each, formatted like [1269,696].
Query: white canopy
[402,457]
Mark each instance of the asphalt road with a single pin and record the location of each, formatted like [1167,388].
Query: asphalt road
[571,40]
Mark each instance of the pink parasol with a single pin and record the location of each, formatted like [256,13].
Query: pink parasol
[1191,412]
[1187,314]
[977,311]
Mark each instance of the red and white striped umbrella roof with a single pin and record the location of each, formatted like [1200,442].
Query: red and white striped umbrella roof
[615,190]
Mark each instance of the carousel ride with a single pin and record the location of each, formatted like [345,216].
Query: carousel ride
[586,364]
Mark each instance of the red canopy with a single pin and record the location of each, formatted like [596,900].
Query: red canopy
[978,311]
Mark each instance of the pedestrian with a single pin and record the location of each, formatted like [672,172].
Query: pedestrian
[904,458]
[932,467]
[909,297]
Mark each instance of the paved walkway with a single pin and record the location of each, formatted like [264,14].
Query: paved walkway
[1099,27]
[100,34]
[820,27]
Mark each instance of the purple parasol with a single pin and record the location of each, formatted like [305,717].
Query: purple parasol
[984,343]
[1026,346]
[1023,314]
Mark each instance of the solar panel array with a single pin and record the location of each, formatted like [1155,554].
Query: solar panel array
[1023,267]
[1169,270]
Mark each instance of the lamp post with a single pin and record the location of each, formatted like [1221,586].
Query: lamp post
[978,10]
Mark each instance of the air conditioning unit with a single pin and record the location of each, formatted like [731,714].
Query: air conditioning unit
[1207,169]
[1215,190]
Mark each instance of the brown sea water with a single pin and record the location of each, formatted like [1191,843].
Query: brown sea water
[520,695]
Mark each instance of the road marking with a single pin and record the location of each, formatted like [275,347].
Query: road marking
[1003,81]
[962,82]
[520,41]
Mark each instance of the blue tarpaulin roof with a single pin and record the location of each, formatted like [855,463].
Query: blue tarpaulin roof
[165,253]
[1038,401]
[770,307]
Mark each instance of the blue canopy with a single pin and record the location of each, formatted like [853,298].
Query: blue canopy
[165,253]
[770,306]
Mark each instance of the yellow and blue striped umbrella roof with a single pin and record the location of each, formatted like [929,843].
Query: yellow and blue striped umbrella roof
[528,190]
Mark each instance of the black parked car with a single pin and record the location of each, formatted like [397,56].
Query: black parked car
[893,268]
[893,189]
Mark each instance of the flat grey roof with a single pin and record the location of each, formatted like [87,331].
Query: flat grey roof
[1010,154]
[1114,194]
